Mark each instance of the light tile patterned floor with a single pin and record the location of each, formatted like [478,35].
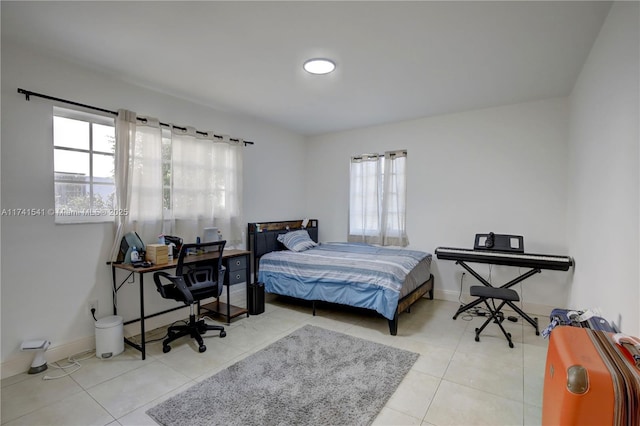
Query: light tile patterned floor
[456,381]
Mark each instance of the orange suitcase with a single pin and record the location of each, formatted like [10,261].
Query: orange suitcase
[589,380]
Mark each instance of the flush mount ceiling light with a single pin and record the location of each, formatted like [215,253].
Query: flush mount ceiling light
[319,66]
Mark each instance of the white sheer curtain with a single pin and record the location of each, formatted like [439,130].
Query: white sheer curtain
[394,207]
[207,185]
[145,208]
[377,208]
[125,134]
[227,166]
[365,193]
[205,189]
[138,178]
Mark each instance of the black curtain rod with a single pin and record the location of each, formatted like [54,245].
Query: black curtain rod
[27,94]
[393,154]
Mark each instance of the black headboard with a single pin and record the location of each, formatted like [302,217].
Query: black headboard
[262,237]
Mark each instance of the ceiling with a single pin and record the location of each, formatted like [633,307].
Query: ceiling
[395,60]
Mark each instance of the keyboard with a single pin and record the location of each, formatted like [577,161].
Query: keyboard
[529,260]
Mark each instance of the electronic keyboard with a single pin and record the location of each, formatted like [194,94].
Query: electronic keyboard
[528,260]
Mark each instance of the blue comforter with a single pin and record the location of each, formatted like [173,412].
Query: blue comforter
[352,274]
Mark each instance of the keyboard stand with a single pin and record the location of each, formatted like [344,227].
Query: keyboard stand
[532,321]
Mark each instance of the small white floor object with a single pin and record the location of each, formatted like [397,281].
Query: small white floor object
[39,364]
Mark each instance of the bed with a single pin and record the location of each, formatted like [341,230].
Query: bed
[382,279]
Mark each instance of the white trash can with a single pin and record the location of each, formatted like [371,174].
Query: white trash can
[109,336]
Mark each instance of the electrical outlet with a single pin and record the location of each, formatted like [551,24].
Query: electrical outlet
[93,304]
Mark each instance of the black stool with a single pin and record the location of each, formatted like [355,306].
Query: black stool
[504,294]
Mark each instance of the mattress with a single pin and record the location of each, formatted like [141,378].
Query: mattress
[352,274]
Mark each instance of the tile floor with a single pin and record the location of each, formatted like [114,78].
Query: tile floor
[456,381]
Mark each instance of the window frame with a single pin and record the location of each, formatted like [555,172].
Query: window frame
[380,234]
[64,215]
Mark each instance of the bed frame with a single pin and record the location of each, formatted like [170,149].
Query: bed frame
[262,239]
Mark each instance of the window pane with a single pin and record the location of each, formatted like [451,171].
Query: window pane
[102,168]
[70,133]
[104,138]
[83,159]
[72,196]
[103,196]
[71,164]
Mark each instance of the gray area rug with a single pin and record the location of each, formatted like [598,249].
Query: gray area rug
[313,376]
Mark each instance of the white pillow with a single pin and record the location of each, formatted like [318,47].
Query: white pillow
[297,240]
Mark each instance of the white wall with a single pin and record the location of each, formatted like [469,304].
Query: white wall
[499,169]
[50,272]
[604,182]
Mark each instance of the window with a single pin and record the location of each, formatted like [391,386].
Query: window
[206,184]
[83,157]
[377,207]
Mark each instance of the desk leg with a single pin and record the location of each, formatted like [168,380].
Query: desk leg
[142,340]
[228,304]
[115,309]
[115,290]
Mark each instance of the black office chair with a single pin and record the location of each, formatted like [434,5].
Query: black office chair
[191,284]
[496,315]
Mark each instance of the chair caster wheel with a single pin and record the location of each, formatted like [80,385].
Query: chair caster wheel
[223,333]
[511,345]
[166,349]
[476,330]
[477,339]
[509,334]
[537,333]
[202,348]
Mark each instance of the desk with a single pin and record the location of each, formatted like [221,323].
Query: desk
[232,259]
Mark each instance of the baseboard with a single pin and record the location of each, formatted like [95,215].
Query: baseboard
[542,311]
[449,296]
[22,361]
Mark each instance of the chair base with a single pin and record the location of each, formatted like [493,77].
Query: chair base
[496,315]
[195,329]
